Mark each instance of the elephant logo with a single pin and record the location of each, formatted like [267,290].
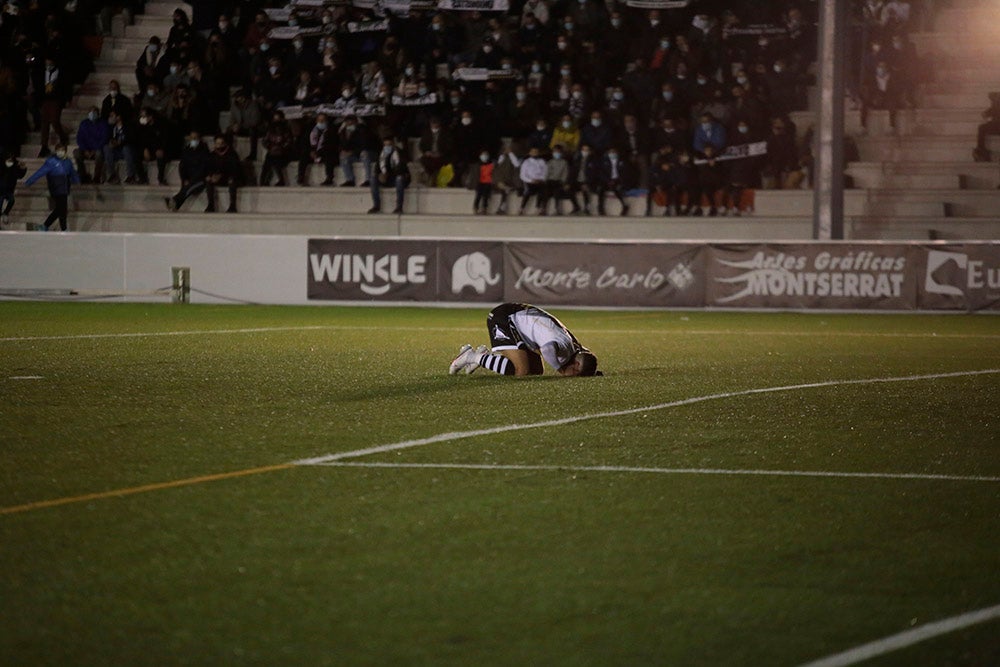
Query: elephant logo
[473,270]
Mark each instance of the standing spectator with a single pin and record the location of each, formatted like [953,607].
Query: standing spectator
[11,171]
[484,184]
[615,178]
[193,168]
[51,94]
[91,138]
[533,173]
[744,173]
[389,169]
[355,144]
[557,185]
[59,173]
[991,126]
[224,168]
[522,113]
[245,120]
[781,171]
[120,146]
[585,175]
[279,144]
[322,150]
[470,139]
[507,176]
[151,142]
[116,102]
[436,148]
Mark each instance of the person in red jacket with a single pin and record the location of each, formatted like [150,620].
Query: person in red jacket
[484,186]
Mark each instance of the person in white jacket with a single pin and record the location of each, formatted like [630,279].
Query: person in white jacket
[533,172]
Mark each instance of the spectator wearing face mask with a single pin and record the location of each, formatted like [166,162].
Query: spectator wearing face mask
[714,179]
[744,173]
[436,148]
[151,141]
[116,102]
[616,177]
[91,138]
[279,145]
[245,120]
[52,91]
[60,175]
[176,75]
[585,175]
[596,134]
[507,176]
[120,146]
[484,184]
[389,169]
[541,136]
[781,168]
[193,168]
[566,134]
[557,183]
[151,65]
[355,143]
[881,90]
[154,99]
[470,138]
[322,150]
[522,113]
[709,132]
[533,174]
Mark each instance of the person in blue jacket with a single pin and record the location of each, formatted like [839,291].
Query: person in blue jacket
[60,174]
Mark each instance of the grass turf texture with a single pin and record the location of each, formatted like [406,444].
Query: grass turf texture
[345,565]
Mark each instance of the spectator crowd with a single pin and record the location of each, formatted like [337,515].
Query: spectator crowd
[560,102]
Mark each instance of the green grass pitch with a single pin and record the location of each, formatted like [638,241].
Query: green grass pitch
[179,535]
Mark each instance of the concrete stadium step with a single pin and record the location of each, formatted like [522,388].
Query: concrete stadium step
[925,175]
[957,20]
[978,46]
[156,8]
[915,149]
[921,122]
[906,229]
[959,99]
[147,25]
[468,226]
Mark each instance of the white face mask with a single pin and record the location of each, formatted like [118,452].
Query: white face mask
[466,121]
[596,122]
[92,116]
[557,156]
[520,96]
[9,162]
[484,157]
[567,124]
[387,151]
[192,143]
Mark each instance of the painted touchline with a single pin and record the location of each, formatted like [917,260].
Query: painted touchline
[444,437]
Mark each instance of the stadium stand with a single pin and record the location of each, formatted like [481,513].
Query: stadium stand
[911,171]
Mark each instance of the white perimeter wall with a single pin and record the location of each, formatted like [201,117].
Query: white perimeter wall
[262,269]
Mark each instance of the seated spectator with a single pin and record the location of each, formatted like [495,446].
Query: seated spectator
[541,136]
[585,175]
[436,148]
[507,176]
[744,173]
[391,168]
[91,138]
[182,116]
[633,141]
[151,142]
[274,89]
[688,187]
[245,120]
[280,145]
[121,146]
[880,91]
[155,99]
[557,183]
[567,135]
[521,113]
[224,168]
[116,102]
[709,133]
[664,179]
[714,180]
[176,75]
[533,173]
[193,168]
[616,177]
[667,133]
[322,150]
[596,134]
[355,142]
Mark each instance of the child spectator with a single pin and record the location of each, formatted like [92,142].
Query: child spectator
[484,185]
[533,173]
[60,175]
[120,146]
[11,171]
[557,185]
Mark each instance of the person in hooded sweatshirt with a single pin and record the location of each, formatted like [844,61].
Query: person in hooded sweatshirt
[60,174]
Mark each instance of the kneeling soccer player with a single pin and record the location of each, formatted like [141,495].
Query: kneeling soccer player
[521,336]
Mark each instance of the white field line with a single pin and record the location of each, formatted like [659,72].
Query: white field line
[907,638]
[459,435]
[661,471]
[595,332]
